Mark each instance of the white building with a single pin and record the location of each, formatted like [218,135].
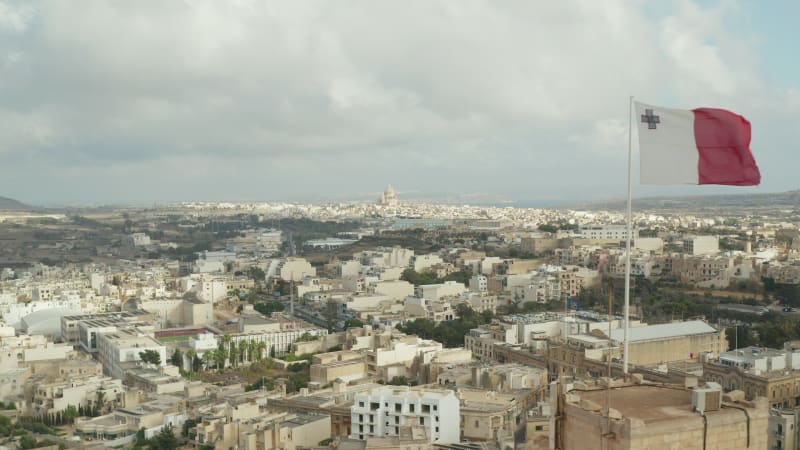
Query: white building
[395,290]
[422,262]
[136,240]
[478,283]
[295,269]
[278,343]
[605,232]
[701,245]
[119,350]
[437,291]
[383,412]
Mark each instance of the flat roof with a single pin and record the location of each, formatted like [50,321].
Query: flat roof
[663,331]
[647,403]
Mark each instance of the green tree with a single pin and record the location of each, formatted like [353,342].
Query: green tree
[257,274]
[177,358]
[331,313]
[268,308]
[165,440]
[353,323]
[27,441]
[741,336]
[99,401]
[399,381]
[548,228]
[150,357]
[71,413]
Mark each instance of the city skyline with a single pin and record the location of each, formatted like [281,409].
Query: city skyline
[519,102]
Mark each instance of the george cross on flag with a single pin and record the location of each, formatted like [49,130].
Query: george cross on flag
[699,146]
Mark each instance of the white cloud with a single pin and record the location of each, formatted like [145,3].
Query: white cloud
[300,85]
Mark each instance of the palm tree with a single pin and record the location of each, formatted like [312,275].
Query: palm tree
[234,354]
[251,348]
[207,358]
[191,354]
[99,400]
[221,356]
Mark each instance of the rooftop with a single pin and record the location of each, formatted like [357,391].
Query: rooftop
[647,403]
[663,331]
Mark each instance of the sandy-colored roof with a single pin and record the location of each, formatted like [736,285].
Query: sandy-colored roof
[644,402]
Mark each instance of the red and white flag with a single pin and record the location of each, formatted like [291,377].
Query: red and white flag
[699,146]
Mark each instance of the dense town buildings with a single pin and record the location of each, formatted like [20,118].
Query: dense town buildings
[146,338]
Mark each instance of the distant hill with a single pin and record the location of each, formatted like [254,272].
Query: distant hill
[788,199]
[9,204]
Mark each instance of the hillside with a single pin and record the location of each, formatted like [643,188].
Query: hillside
[9,204]
[790,199]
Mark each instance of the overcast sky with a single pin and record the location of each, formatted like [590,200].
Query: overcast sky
[150,101]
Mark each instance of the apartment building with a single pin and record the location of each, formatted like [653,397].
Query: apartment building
[385,411]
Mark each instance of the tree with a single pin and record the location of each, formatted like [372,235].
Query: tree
[150,357]
[189,424]
[27,441]
[256,273]
[99,400]
[207,358]
[268,308]
[400,381]
[331,313]
[261,347]
[548,228]
[741,336]
[177,358]
[353,323]
[165,440]
[71,413]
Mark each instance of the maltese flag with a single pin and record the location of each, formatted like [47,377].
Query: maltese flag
[699,146]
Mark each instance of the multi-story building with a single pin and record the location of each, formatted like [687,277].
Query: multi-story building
[757,371]
[70,324]
[385,411]
[437,291]
[659,416]
[605,232]
[701,245]
[478,283]
[670,342]
[703,271]
[119,350]
[278,343]
[295,269]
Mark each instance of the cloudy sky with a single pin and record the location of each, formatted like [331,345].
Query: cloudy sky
[148,101]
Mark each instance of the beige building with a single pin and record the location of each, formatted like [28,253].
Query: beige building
[659,417]
[486,415]
[669,342]
[759,372]
[346,365]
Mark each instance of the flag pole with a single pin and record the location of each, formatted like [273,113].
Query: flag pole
[628,245]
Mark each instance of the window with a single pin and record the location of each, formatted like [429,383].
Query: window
[398,407]
[539,427]
[476,424]
[360,404]
[437,429]
[374,406]
[396,419]
[426,408]
[411,407]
